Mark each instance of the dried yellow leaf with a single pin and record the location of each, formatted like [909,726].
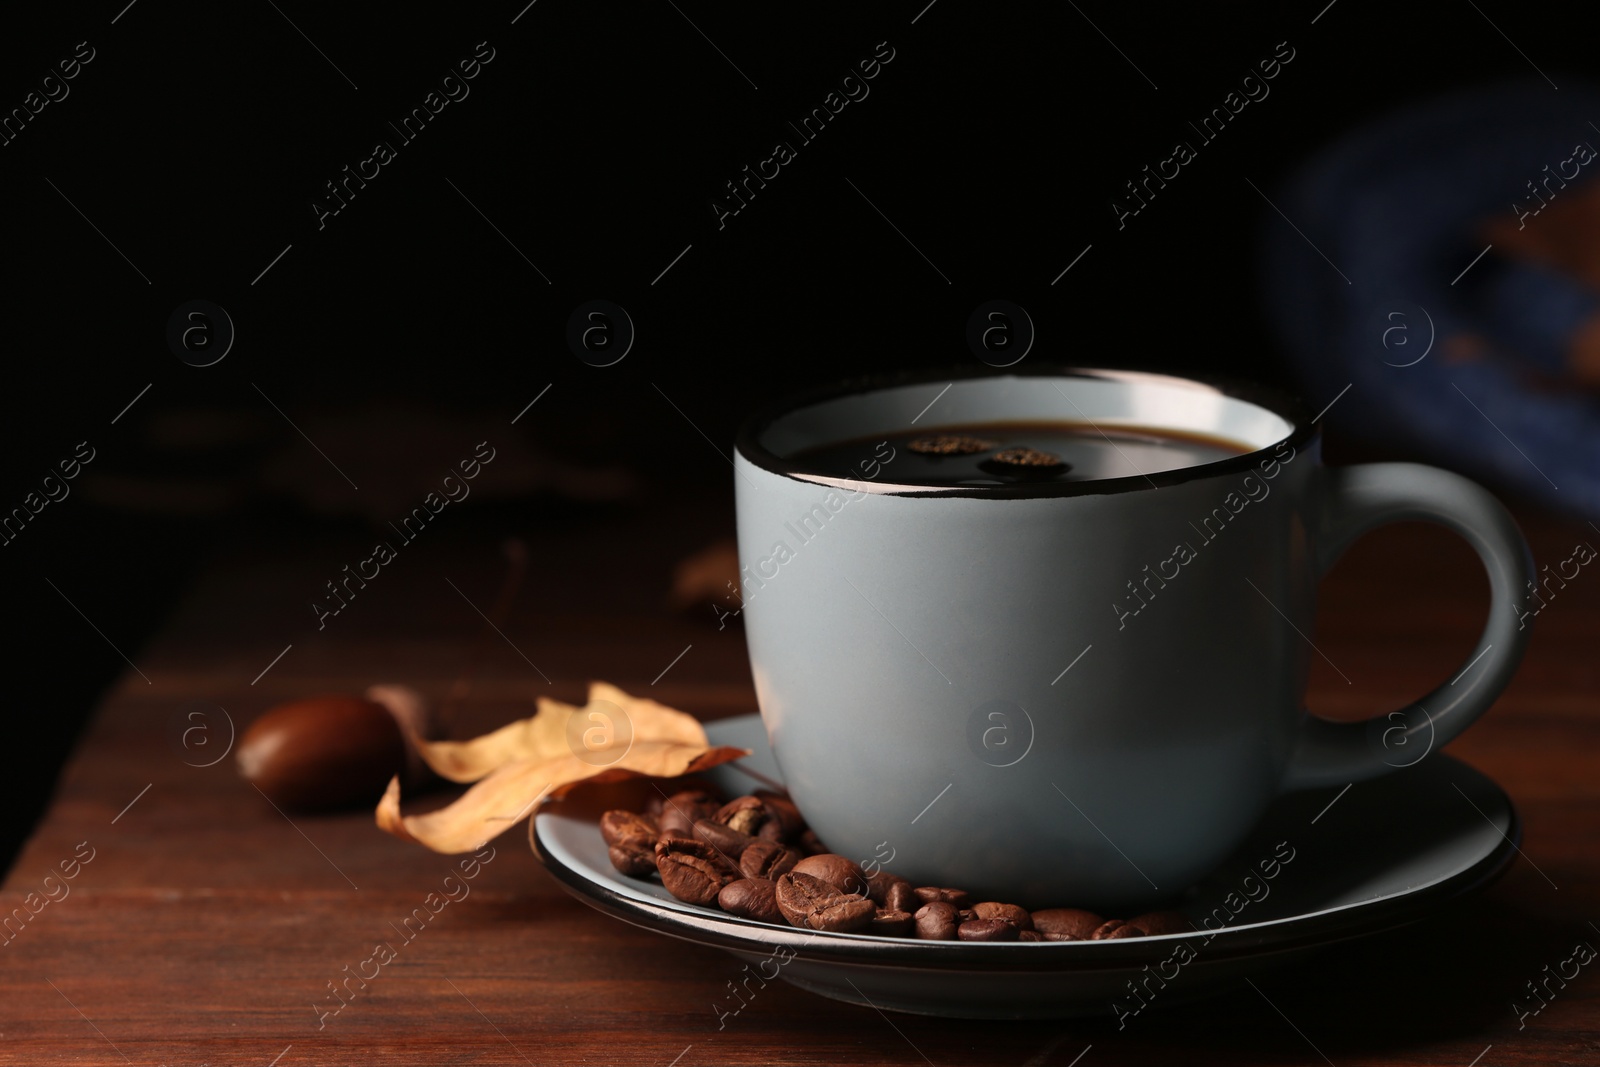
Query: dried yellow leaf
[516,767]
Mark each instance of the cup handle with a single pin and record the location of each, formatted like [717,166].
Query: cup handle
[1354,500]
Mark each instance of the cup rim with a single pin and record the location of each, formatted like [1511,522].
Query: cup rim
[1288,406]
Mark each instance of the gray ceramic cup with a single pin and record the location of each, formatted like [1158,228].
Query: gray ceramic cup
[1033,691]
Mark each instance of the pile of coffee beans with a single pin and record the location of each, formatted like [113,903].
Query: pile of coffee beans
[755,858]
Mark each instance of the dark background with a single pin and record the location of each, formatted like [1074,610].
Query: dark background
[995,141]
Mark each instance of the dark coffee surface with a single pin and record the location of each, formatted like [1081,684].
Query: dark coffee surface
[1003,453]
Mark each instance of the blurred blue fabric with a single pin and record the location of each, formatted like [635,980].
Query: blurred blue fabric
[1397,206]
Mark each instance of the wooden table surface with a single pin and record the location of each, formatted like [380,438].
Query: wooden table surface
[207,926]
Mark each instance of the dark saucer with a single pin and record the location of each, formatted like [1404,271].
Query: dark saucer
[1384,853]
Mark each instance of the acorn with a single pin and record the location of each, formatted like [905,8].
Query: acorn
[337,751]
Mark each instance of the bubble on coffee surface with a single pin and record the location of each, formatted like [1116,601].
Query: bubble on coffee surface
[1025,463]
[1026,457]
[949,444]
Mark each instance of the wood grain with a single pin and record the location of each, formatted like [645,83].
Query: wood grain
[207,925]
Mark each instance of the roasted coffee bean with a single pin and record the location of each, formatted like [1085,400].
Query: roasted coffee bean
[619,826]
[1029,935]
[1066,924]
[633,857]
[811,903]
[681,811]
[767,859]
[631,842]
[966,915]
[959,897]
[782,812]
[1012,914]
[937,922]
[902,897]
[751,898]
[744,815]
[811,844]
[987,930]
[1115,929]
[675,823]
[837,871]
[891,923]
[652,805]
[1162,922]
[725,839]
[692,870]
[879,883]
